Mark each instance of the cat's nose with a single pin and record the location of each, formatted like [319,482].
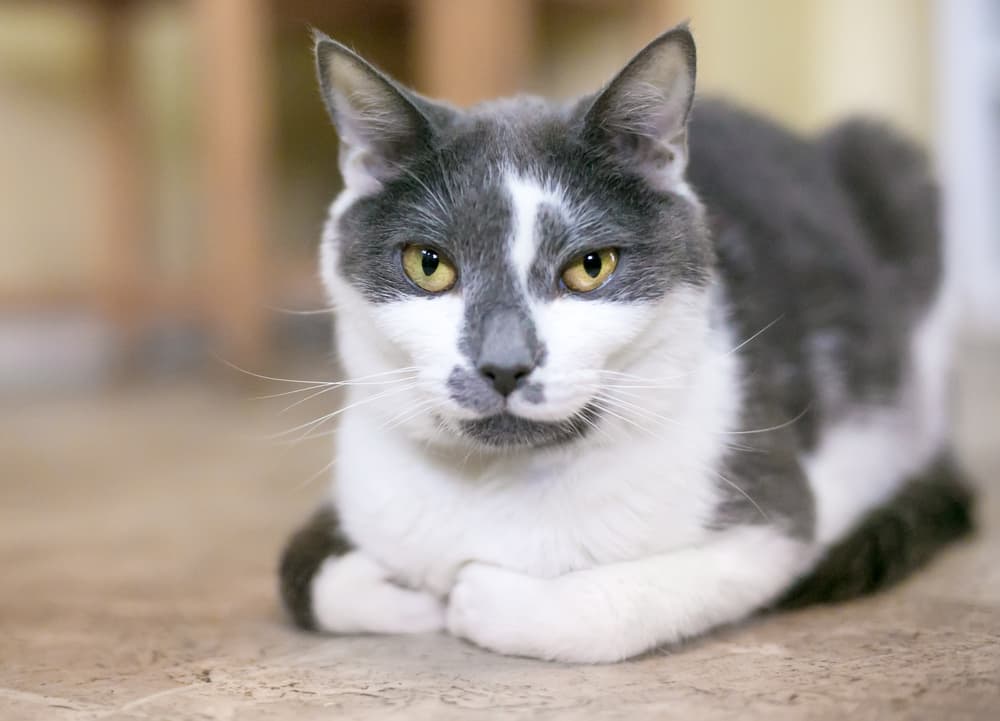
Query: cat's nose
[505,378]
[508,352]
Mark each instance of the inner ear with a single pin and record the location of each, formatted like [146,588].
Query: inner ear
[641,116]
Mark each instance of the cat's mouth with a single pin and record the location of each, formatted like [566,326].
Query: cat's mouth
[506,430]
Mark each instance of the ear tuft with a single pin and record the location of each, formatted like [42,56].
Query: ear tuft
[642,114]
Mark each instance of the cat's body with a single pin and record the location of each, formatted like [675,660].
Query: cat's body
[587,475]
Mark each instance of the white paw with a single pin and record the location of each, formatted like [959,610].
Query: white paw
[353,594]
[501,610]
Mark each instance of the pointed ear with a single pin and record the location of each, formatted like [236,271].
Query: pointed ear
[642,114]
[380,124]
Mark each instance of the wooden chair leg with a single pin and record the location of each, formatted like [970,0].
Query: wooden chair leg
[471,50]
[122,264]
[232,70]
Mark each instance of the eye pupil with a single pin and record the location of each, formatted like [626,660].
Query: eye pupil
[592,264]
[429,261]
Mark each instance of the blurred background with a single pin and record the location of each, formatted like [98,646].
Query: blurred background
[165,169]
[165,165]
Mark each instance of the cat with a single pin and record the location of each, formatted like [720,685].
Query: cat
[628,368]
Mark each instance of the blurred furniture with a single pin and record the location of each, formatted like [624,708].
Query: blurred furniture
[232,35]
[968,39]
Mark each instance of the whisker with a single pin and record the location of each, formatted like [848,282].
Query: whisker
[595,426]
[291,393]
[641,379]
[311,433]
[341,385]
[292,311]
[334,414]
[360,380]
[634,407]
[746,495]
[751,431]
[642,386]
[263,377]
[729,352]
[755,335]
[313,383]
[600,404]
[410,413]
[304,484]
[778,427]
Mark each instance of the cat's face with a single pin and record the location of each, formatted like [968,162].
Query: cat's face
[516,259]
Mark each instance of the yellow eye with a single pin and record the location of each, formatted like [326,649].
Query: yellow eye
[428,269]
[591,270]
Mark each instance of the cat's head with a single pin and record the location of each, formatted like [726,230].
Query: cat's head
[516,261]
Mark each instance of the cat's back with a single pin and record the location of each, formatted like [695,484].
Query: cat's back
[833,239]
[858,197]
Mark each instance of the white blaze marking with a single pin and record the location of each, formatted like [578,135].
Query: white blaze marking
[527,196]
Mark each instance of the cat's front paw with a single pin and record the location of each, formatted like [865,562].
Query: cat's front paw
[354,594]
[501,610]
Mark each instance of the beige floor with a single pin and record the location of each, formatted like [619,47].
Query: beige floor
[138,535]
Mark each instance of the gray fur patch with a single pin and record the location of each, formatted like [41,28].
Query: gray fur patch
[470,390]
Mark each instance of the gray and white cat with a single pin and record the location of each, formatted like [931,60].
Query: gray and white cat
[627,368]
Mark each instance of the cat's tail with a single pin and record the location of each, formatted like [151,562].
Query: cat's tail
[929,512]
[312,544]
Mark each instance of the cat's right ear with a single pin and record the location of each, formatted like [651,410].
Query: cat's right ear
[642,114]
[379,123]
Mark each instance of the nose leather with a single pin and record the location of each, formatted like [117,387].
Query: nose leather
[507,355]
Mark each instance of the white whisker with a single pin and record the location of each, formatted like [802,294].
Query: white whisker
[410,413]
[264,377]
[361,380]
[292,311]
[778,427]
[746,495]
[303,484]
[649,413]
[329,416]
[755,335]
[600,404]
[335,386]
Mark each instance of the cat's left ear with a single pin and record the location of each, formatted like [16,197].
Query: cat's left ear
[642,114]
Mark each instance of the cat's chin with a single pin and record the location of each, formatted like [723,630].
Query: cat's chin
[506,430]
